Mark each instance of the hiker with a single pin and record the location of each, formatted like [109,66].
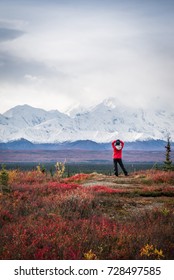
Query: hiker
[117,146]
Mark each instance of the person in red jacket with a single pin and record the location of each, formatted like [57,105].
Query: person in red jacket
[117,146]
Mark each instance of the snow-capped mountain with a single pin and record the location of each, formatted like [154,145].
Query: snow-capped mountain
[101,123]
[77,109]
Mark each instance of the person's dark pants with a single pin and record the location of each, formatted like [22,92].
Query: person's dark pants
[116,161]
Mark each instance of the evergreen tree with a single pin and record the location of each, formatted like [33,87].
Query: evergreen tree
[168,161]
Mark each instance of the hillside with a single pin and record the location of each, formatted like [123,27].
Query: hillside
[87,216]
[23,144]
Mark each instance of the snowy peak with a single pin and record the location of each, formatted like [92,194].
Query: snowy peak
[111,103]
[27,116]
[102,123]
[107,104]
[77,110]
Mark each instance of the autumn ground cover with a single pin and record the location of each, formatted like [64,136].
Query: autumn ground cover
[87,216]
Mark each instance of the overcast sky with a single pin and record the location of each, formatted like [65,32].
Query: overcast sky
[57,53]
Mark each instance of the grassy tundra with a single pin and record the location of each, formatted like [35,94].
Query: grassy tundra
[86,216]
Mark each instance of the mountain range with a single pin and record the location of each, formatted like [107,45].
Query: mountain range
[101,124]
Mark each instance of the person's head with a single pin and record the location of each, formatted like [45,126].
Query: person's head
[118,145]
[117,142]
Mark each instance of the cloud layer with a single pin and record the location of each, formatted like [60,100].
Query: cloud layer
[57,53]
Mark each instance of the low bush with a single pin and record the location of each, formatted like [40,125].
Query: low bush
[45,219]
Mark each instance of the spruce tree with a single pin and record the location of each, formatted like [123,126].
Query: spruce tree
[168,161]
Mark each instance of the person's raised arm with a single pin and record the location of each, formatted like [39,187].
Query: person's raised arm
[113,143]
[122,143]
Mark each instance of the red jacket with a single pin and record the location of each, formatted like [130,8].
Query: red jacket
[117,153]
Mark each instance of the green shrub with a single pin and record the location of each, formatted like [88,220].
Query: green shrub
[4,179]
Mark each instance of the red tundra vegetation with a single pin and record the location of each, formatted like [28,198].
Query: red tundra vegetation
[87,216]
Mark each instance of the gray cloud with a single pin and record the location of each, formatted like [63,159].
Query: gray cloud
[15,69]
[7,34]
[85,51]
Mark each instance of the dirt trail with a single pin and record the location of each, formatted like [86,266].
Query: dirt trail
[121,181]
[135,196]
